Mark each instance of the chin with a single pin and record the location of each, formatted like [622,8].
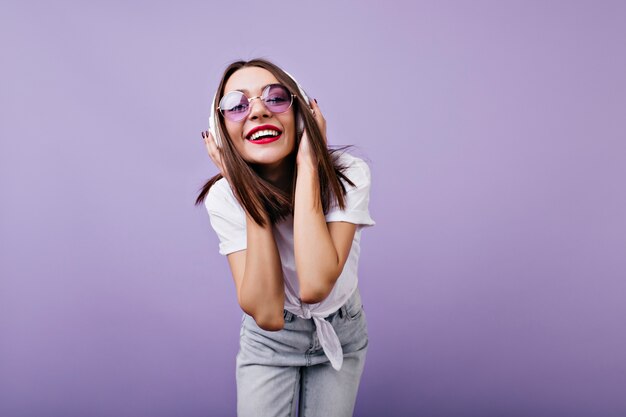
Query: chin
[268,159]
[268,156]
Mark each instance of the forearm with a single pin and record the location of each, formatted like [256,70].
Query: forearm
[317,262]
[262,292]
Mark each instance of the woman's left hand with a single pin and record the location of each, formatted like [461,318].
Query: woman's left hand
[305,154]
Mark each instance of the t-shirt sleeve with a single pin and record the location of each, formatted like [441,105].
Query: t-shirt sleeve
[357,198]
[227,219]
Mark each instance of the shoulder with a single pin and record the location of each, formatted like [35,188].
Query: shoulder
[226,216]
[357,170]
[220,197]
[349,160]
[357,194]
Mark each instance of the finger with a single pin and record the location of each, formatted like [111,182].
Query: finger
[215,153]
[317,113]
[205,138]
[314,106]
[212,146]
[319,118]
[207,141]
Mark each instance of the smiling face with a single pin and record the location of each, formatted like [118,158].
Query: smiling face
[268,152]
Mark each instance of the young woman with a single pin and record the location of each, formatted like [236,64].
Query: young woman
[288,212]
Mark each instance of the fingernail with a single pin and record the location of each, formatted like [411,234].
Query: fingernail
[315,100]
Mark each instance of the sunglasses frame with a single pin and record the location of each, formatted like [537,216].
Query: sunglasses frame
[261,97]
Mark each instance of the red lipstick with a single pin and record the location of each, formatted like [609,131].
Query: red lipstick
[267,140]
[262,127]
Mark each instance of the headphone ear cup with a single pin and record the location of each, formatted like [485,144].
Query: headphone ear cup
[300,125]
[213,122]
[300,121]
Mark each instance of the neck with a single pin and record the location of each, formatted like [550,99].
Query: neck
[279,174]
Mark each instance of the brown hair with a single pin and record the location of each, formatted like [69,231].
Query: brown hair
[257,195]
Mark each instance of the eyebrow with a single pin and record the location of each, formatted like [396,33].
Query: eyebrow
[247,92]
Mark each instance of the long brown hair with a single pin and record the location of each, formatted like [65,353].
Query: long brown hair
[257,195]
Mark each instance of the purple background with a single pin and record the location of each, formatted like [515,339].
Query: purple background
[494,281]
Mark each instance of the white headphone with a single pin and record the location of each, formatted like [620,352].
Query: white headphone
[213,116]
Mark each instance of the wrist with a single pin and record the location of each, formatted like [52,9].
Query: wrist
[307,168]
[252,223]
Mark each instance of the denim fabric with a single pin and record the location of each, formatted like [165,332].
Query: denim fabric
[278,370]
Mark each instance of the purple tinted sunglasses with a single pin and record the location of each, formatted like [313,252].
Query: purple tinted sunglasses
[235,105]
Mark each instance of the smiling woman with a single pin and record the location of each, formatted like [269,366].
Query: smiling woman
[261,113]
[289,213]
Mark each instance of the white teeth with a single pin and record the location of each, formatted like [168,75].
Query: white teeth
[260,133]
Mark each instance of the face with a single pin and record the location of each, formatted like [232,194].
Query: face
[268,152]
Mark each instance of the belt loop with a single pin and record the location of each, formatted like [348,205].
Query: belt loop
[342,311]
[287,315]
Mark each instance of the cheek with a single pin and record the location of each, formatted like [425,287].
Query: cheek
[290,126]
[235,132]
[233,129]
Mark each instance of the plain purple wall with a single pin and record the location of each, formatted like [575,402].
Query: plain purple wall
[493,282]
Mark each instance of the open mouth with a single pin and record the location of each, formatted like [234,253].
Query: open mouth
[264,135]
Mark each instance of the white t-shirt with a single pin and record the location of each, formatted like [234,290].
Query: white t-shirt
[228,219]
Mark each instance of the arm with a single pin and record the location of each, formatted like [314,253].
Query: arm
[321,249]
[256,270]
[258,276]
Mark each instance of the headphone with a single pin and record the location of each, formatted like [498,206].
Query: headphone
[213,116]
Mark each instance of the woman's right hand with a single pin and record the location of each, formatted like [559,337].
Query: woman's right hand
[214,152]
[216,156]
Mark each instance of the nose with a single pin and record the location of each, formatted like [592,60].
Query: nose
[258,109]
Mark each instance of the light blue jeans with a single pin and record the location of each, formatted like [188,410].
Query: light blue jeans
[278,370]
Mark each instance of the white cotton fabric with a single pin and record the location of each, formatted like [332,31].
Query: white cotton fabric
[229,222]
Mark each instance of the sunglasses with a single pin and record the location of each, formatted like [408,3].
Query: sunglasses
[235,106]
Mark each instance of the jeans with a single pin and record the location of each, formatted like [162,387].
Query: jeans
[277,370]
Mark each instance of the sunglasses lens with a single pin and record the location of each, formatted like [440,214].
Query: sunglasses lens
[277,98]
[234,105]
